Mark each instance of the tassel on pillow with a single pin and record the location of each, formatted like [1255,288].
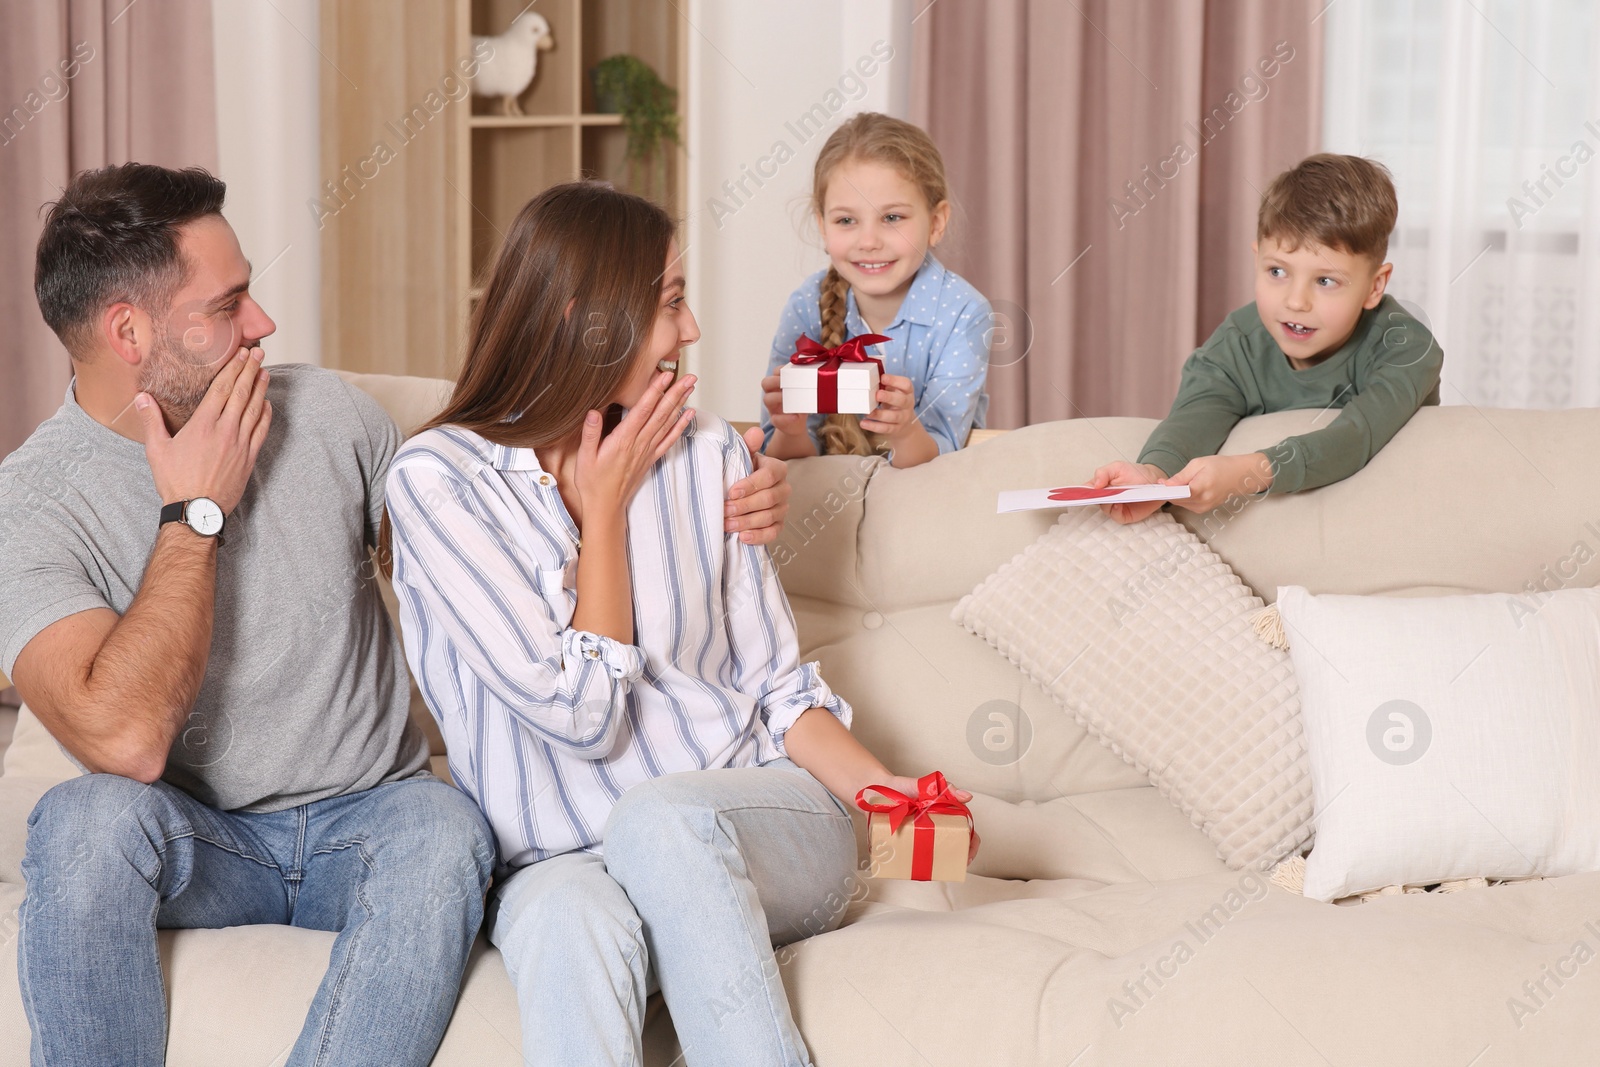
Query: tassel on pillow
[1269,627]
[1290,875]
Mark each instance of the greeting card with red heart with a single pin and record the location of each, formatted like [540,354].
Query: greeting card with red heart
[1088,492]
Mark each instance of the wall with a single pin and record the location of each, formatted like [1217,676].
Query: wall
[754,69]
[267,70]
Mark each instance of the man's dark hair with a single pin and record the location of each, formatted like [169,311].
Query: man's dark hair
[113,236]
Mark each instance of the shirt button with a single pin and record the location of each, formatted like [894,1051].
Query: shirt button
[545,479]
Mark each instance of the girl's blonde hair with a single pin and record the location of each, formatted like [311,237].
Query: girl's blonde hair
[876,138]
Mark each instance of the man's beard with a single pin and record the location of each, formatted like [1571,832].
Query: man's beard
[178,377]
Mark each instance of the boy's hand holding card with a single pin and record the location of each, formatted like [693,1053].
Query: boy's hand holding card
[1124,473]
[1213,479]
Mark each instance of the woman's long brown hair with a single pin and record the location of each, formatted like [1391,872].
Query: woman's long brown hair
[569,300]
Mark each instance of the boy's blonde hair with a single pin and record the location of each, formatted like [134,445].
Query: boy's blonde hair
[1341,202]
[877,138]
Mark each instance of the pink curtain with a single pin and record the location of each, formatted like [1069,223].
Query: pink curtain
[1106,158]
[84,83]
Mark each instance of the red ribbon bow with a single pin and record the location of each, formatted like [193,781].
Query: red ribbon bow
[934,797]
[807,351]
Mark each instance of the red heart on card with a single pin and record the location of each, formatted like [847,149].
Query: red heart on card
[1086,492]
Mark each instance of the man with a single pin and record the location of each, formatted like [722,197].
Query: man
[187,603]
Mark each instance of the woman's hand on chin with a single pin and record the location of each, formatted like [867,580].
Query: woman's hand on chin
[611,468]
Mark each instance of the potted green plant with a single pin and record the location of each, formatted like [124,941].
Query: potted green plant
[628,86]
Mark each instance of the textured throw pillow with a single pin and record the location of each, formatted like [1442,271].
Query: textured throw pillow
[1146,637]
[1450,737]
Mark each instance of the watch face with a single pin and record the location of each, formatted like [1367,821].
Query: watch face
[203,516]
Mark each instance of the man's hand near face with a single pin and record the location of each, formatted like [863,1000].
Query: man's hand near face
[215,451]
[758,504]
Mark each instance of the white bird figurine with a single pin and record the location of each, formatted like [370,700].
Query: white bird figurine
[513,59]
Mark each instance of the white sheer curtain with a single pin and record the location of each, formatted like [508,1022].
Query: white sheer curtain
[1488,113]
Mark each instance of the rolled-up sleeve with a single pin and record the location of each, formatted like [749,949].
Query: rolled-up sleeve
[459,562]
[761,629]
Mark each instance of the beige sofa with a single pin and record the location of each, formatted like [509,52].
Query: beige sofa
[1062,947]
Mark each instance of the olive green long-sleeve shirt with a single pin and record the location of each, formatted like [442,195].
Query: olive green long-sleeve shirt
[1375,381]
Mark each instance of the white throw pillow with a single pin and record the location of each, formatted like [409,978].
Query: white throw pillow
[1145,635]
[1450,737]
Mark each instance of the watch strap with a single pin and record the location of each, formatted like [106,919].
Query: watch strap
[175,511]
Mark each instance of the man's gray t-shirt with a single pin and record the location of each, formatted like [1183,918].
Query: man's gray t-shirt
[305,693]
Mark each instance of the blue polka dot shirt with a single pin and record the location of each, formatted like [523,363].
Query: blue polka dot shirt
[939,339]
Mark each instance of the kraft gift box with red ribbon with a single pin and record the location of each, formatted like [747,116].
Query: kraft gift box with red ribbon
[842,379]
[924,838]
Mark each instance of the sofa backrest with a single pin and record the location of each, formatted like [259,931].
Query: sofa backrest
[1462,500]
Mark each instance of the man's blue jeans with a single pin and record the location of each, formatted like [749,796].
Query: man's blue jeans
[398,871]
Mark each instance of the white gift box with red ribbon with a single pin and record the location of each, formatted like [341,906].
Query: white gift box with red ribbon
[856,389]
[824,381]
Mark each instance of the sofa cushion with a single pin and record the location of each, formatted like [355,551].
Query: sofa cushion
[1405,526]
[816,550]
[1146,637]
[1216,969]
[410,401]
[923,690]
[1057,972]
[33,753]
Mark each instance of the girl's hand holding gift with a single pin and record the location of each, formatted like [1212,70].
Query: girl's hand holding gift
[896,417]
[896,413]
[773,397]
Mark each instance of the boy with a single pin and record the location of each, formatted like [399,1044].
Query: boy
[1320,334]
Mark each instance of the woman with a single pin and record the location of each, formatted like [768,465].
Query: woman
[617,679]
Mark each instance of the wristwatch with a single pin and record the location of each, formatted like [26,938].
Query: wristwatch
[202,515]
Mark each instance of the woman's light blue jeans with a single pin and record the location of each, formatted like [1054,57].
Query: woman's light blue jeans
[703,873]
[397,871]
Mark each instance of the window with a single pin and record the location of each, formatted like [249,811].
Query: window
[1488,114]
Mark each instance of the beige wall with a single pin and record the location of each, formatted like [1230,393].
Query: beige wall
[753,69]
[267,151]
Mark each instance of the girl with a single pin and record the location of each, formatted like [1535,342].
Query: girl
[617,679]
[879,195]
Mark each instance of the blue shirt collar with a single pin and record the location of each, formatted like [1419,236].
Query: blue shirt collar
[921,303]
